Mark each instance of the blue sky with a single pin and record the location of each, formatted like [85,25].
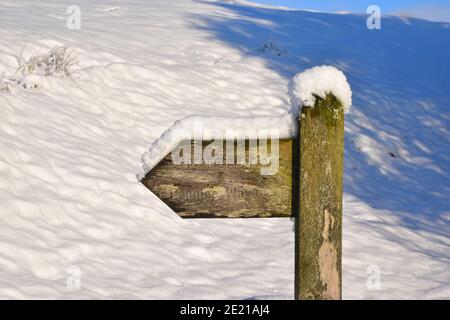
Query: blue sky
[438,10]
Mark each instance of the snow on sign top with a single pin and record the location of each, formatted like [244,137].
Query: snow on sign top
[320,81]
[211,128]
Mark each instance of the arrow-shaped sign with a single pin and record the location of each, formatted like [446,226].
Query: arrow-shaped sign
[234,187]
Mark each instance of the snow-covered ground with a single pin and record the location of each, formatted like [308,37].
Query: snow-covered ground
[71,149]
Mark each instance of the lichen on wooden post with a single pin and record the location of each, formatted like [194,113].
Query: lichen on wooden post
[319,225]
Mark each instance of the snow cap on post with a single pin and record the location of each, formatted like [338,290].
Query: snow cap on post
[320,81]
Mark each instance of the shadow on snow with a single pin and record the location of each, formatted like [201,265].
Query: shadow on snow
[397,134]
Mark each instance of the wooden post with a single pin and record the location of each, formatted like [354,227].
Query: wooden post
[318,269]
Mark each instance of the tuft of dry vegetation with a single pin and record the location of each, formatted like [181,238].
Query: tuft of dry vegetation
[59,61]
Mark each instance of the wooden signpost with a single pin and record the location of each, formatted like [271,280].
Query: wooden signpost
[307,186]
[226,190]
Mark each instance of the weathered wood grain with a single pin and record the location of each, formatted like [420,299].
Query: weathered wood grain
[319,225]
[226,190]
